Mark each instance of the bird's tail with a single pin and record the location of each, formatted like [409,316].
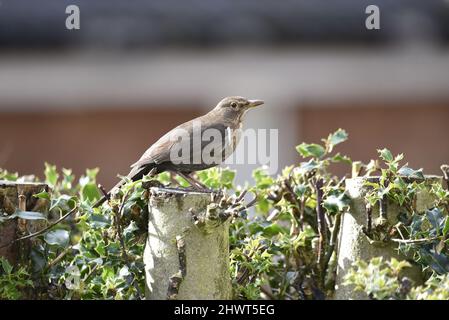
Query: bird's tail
[134,174]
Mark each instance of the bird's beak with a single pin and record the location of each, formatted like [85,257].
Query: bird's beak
[255,103]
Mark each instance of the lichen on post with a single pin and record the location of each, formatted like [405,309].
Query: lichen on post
[360,220]
[187,250]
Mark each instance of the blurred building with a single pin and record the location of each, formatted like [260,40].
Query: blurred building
[99,96]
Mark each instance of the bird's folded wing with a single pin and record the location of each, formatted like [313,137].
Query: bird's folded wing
[186,146]
[158,153]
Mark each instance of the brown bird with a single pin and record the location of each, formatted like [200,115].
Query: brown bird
[198,144]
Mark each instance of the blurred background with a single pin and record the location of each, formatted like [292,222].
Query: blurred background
[100,95]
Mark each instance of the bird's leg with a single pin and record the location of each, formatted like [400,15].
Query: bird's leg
[189,179]
[199,183]
[193,182]
[172,178]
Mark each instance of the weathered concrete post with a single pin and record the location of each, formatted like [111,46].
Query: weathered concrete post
[355,245]
[187,250]
[16,196]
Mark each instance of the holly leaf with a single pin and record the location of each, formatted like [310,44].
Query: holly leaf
[42,195]
[446,227]
[411,173]
[385,154]
[335,138]
[51,175]
[335,204]
[310,150]
[58,237]
[435,218]
[28,215]
[6,265]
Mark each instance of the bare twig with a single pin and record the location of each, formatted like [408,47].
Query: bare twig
[91,272]
[250,204]
[240,197]
[299,204]
[118,213]
[445,169]
[104,192]
[414,241]
[369,219]
[238,206]
[321,221]
[333,241]
[383,207]
[243,276]
[38,233]
[59,257]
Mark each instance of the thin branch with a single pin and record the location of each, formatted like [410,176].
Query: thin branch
[383,207]
[369,219]
[250,204]
[445,169]
[91,272]
[118,214]
[38,233]
[240,197]
[414,241]
[299,204]
[321,221]
[333,241]
[104,192]
[59,257]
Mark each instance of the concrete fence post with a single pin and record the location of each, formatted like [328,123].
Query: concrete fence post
[187,250]
[355,245]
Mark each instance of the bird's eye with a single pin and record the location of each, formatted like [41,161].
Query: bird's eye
[233,105]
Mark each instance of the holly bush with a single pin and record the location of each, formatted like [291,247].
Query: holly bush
[283,246]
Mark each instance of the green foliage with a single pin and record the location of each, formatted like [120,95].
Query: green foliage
[310,150]
[317,151]
[248,265]
[51,175]
[284,249]
[422,235]
[392,182]
[379,279]
[13,281]
[384,280]
[26,215]
[217,178]
[335,138]
[93,253]
[285,231]
[8,176]
[436,288]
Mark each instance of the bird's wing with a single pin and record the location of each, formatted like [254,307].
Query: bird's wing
[197,145]
[158,153]
[161,151]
